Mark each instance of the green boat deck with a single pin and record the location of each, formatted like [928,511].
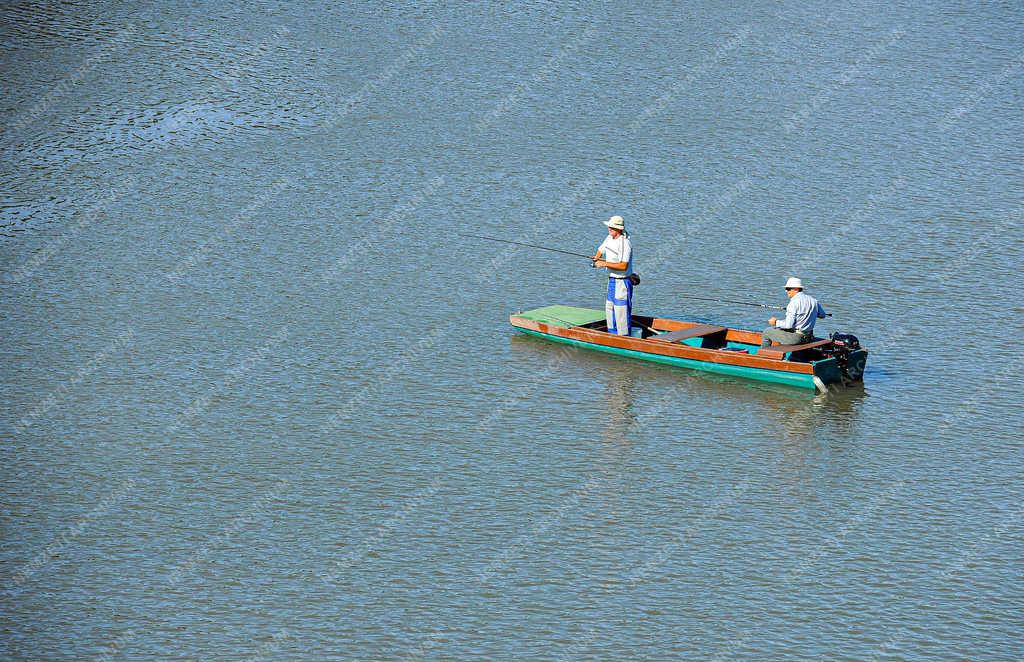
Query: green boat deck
[564,316]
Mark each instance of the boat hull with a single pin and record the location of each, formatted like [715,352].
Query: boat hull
[760,374]
[581,327]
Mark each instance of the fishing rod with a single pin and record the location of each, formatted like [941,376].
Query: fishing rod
[519,243]
[590,257]
[740,303]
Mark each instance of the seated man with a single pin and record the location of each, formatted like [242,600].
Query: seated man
[801,313]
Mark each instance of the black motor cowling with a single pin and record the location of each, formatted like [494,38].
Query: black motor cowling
[843,344]
[845,341]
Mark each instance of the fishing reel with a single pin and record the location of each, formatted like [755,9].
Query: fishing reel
[842,345]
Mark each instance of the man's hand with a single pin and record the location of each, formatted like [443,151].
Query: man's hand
[600,263]
[772,321]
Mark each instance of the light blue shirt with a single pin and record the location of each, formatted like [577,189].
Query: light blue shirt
[801,313]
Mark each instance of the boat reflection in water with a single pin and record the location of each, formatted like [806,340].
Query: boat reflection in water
[636,394]
[619,415]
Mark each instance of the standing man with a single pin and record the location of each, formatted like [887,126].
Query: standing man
[801,314]
[618,259]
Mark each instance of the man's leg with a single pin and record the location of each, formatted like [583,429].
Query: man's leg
[780,336]
[609,306]
[622,305]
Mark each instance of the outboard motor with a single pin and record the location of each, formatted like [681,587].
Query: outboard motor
[844,344]
[845,341]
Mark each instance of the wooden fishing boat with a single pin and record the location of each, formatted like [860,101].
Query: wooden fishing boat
[820,364]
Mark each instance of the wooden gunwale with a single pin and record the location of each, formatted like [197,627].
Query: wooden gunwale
[668,349]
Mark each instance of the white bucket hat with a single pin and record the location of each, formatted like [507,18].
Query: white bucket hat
[616,222]
[794,283]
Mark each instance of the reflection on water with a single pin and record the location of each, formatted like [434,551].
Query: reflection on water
[619,390]
[837,408]
[638,398]
[826,424]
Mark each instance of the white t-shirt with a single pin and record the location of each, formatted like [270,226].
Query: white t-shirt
[617,250]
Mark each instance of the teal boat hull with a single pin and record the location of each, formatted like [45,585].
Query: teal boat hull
[799,380]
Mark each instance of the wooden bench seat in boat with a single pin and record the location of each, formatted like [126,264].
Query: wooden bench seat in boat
[693,332]
[780,351]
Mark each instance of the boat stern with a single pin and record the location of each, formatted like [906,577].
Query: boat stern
[829,372]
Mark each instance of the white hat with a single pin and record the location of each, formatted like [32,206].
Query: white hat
[794,283]
[616,222]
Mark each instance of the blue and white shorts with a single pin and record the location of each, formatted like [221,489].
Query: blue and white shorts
[619,306]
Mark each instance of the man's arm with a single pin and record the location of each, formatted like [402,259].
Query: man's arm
[790,321]
[821,312]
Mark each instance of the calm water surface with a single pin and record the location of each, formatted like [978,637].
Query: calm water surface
[262,402]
